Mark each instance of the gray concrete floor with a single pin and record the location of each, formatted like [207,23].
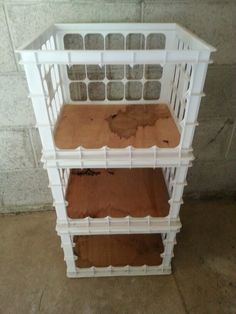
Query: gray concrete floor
[32,271]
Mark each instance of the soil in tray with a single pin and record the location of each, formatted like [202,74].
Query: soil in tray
[116,126]
[118,250]
[99,193]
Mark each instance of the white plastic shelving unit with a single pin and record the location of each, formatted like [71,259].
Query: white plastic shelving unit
[82,77]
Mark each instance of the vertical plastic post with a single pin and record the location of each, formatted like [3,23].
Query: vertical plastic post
[178,188]
[168,69]
[196,92]
[39,104]
[67,246]
[58,194]
[169,247]
[62,69]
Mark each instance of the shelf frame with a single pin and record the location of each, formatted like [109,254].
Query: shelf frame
[184,62]
[67,244]
[175,180]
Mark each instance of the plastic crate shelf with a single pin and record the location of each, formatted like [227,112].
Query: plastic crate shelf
[116,96]
[118,255]
[122,201]
[117,201]
[115,65]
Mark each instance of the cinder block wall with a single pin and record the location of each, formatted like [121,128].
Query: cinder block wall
[23,183]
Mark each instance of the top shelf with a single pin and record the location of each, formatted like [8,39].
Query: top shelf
[109,65]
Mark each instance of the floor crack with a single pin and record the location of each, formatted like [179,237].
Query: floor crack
[41,298]
[219,131]
[181,295]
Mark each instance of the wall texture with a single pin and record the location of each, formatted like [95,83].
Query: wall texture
[23,181]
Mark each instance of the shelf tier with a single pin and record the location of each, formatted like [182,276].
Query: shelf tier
[118,255]
[117,193]
[118,250]
[88,136]
[116,126]
[117,201]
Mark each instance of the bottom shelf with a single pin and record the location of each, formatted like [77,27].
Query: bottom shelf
[118,250]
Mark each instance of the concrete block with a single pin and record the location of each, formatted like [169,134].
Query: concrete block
[16,108]
[34,1]
[37,146]
[220,100]
[69,1]
[28,187]
[7,61]
[97,12]
[211,178]
[213,22]
[27,21]
[211,139]
[187,1]
[16,150]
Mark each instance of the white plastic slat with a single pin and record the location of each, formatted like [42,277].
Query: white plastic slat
[109,225]
[119,271]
